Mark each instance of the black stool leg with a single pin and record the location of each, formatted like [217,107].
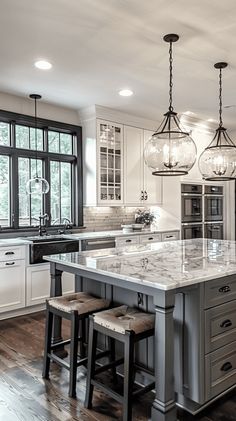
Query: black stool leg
[92,344]
[128,376]
[82,329]
[48,340]
[73,353]
[111,345]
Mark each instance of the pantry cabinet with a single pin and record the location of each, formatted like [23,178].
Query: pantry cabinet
[140,186]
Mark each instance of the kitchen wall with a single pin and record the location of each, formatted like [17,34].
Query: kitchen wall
[106,218]
[25,105]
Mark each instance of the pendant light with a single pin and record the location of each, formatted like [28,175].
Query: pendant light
[37,184]
[170,151]
[218,161]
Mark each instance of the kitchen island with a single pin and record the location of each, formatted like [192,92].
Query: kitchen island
[191,287]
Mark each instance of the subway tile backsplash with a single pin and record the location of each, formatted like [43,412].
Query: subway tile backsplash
[108,218]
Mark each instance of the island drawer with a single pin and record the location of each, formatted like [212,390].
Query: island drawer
[169,236]
[149,238]
[12,253]
[220,291]
[220,326]
[126,241]
[220,370]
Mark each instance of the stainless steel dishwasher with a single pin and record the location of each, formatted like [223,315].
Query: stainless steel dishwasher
[100,243]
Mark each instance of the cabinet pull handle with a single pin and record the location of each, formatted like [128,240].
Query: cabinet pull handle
[128,241]
[151,238]
[9,252]
[224,289]
[226,323]
[226,366]
[142,196]
[169,236]
[9,263]
[145,195]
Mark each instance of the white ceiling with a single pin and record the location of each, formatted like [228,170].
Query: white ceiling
[100,46]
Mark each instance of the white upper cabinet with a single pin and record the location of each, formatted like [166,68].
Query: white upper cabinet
[110,163]
[140,186]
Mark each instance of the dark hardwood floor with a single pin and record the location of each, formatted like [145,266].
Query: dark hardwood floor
[25,396]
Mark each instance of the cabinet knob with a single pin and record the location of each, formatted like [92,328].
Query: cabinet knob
[226,323]
[226,366]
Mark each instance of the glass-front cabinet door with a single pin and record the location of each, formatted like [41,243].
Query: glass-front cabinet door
[110,163]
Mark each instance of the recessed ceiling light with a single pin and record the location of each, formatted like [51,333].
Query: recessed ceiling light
[43,65]
[125,92]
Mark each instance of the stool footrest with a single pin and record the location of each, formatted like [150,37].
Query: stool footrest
[144,389]
[108,390]
[59,344]
[102,354]
[109,365]
[59,361]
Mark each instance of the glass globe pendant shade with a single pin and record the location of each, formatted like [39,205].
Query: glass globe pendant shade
[170,151]
[37,185]
[218,161]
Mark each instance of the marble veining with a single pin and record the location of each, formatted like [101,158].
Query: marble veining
[165,266]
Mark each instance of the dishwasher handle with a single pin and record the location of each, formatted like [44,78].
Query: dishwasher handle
[98,244]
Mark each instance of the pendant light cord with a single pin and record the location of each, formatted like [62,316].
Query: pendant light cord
[36,134]
[171,77]
[220,97]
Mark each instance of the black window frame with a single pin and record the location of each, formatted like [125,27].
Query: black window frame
[15,152]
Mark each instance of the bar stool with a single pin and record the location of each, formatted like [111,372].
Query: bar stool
[76,308]
[127,325]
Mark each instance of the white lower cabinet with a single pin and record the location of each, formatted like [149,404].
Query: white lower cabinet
[38,284]
[12,285]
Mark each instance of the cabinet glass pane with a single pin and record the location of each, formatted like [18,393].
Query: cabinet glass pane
[110,161]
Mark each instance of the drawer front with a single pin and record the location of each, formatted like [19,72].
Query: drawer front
[126,241]
[150,238]
[169,236]
[220,291]
[220,326]
[220,370]
[12,253]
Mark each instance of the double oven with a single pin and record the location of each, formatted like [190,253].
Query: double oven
[202,211]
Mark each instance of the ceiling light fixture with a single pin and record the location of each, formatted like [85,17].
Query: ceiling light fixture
[125,92]
[170,151]
[218,161]
[43,65]
[37,184]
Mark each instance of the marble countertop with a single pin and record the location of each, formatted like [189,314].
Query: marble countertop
[92,235]
[167,265]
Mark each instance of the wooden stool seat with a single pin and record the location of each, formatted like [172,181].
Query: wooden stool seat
[127,325]
[76,308]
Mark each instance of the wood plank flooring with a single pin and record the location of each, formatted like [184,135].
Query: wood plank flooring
[25,396]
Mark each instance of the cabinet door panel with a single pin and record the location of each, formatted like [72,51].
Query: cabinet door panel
[12,286]
[152,184]
[38,284]
[133,166]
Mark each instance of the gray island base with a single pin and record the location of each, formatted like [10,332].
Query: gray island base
[190,285]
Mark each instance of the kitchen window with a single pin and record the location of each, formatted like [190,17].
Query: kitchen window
[59,160]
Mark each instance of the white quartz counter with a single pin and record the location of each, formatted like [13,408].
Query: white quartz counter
[163,266]
[6,242]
